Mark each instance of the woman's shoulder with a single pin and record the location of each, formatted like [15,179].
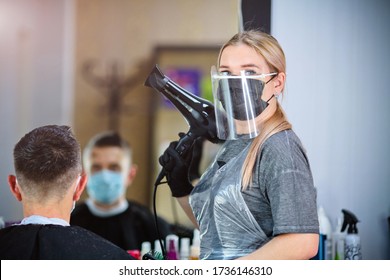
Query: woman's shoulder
[283,146]
[282,139]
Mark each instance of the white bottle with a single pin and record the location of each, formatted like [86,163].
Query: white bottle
[326,231]
[2,223]
[195,247]
[157,245]
[338,241]
[146,247]
[184,248]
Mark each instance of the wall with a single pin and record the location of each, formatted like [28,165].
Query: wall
[337,100]
[35,77]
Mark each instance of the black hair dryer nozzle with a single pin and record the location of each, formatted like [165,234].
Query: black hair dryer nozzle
[198,112]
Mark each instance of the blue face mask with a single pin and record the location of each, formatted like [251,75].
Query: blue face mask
[105,186]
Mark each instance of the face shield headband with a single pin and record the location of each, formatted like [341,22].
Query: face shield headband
[238,103]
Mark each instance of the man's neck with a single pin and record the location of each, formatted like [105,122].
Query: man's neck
[41,220]
[48,211]
[114,209]
[107,207]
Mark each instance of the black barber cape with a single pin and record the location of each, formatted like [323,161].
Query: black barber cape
[55,242]
[127,229]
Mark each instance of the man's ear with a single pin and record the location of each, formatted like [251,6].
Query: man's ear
[14,187]
[80,187]
[131,174]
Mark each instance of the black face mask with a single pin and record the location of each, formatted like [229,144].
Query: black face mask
[234,87]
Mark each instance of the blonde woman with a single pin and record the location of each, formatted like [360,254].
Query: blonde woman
[257,199]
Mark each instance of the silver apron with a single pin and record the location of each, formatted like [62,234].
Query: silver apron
[228,229]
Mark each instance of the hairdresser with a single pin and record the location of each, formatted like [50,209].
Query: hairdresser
[256,200]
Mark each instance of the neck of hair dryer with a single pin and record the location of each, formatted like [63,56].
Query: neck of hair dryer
[198,112]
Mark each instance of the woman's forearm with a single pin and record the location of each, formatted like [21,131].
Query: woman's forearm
[185,204]
[290,246]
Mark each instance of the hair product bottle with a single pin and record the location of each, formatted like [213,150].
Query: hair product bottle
[338,241]
[352,247]
[325,242]
[195,247]
[146,247]
[172,241]
[184,248]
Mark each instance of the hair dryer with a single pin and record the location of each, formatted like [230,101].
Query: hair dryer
[199,113]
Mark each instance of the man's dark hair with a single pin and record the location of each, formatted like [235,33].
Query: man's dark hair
[47,159]
[107,139]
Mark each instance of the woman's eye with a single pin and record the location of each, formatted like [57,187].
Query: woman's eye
[250,73]
[225,73]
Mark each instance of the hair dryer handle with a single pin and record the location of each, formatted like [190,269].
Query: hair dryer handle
[183,146]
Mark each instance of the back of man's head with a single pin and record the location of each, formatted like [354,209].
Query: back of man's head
[47,160]
[104,140]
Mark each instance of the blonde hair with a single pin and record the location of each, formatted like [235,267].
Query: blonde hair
[269,48]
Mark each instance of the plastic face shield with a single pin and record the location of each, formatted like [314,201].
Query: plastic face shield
[238,103]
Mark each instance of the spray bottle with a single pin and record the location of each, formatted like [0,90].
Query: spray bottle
[352,247]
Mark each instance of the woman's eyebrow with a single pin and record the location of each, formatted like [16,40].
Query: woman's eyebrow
[242,66]
[250,65]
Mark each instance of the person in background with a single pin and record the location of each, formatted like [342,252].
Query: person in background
[257,199]
[48,182]
[108,162]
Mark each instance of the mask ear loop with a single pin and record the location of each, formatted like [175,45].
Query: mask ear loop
[272,78]
[273,95]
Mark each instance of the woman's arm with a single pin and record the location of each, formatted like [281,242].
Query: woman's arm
[185,204]
[293,246]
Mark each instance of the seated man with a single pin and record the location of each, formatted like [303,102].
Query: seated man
[107,160]
[48,182]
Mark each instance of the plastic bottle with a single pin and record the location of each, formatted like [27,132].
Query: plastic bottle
[146,247]
[338,241]
[325,246]
[172,250]
[172,241]
[184,248]
[195,247]
[2,223]
[157,245]
[352,246]
[135,253]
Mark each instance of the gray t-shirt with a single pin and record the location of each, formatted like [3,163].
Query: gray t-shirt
[282,197]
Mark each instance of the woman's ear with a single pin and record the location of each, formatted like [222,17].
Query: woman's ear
[278,83]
